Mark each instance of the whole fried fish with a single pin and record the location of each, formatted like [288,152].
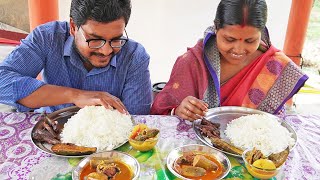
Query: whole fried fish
[223,145]
[279,158]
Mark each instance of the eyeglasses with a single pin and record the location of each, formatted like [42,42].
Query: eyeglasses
[98,43]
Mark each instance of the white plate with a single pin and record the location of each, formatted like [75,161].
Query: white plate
[223,115]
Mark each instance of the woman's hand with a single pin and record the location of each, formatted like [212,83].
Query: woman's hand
[191,108]
[92,98]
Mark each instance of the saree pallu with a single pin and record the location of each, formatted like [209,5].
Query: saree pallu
[265,84]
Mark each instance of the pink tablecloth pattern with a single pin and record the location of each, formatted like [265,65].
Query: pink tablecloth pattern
[17,152]
[20,159]
[304,161]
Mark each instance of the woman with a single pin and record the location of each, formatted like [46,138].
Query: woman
[234,65]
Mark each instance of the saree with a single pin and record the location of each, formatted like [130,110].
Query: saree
[265,84]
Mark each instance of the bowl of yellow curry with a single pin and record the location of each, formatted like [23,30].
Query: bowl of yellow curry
[143,138]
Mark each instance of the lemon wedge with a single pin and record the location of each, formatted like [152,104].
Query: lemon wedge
[264,164]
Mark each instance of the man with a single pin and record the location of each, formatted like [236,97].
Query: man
[88,61]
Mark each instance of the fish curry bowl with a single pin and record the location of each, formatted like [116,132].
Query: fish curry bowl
[263,167]
[196,161]
[143,138]
[113,165]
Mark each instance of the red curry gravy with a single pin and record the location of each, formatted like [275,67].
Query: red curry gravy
[125,171]
[209,174]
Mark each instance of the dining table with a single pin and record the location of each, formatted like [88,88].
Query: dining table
[20,158]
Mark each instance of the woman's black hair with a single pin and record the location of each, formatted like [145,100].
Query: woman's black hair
[99,10]
[241,12]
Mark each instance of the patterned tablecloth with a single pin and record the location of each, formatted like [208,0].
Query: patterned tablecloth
[20,159]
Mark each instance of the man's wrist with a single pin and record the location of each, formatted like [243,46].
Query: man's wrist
[72,94]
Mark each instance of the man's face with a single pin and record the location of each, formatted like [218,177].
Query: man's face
[98,57]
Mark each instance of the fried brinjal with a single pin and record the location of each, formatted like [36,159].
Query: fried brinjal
[72,149]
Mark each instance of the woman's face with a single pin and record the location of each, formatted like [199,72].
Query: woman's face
[237,43]
[99,57]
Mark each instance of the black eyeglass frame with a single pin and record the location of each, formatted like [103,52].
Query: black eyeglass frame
[104,41]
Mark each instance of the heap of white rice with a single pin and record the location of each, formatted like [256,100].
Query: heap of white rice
[96,126]
[260,131]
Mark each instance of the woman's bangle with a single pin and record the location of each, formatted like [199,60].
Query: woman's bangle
[172,111]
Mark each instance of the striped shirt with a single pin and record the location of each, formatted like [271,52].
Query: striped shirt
[49,49]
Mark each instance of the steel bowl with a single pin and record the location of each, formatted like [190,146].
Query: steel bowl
[132,163]
[178,152]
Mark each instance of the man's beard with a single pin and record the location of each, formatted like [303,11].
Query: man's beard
[83,59]
[86,60]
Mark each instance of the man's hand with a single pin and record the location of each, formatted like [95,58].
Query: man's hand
[52,95]
[191,108]
[87,98]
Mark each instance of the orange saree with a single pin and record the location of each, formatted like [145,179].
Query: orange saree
[265,84]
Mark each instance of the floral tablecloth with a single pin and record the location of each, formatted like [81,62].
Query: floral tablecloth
[20,159]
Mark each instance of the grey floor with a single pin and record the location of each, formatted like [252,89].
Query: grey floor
[306,104]
[5,108]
